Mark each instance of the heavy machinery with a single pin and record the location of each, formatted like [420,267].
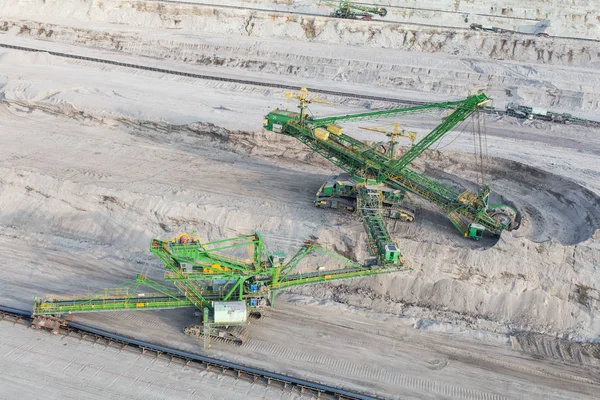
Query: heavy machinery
[490,28]
[527,112]
[228,281]
[396,132]
[374,178]
[536,30]
[348,10]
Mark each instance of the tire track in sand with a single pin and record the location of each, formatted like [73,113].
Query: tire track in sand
[371,373]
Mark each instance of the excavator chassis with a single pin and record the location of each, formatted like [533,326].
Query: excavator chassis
[236,335]
[48,322]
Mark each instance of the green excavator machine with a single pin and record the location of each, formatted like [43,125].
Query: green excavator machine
[348,10]
[229,282]
[375,183]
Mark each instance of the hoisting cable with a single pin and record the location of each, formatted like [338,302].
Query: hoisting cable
[482,166]
[452,141]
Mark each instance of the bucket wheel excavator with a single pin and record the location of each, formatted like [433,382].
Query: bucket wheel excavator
[229,282]
[375,183]
[348,10]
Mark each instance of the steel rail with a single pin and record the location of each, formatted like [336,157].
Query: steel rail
[210,77]
[252,83]
[308,14]
[438,10]
[191,2]
[229,80]
[235,370]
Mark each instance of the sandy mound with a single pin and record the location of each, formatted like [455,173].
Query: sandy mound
[552,207]
[448,62]
[538,277]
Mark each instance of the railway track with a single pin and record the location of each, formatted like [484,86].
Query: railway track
[191,360]
[191,2]
[250,82]
[444,11]
[212,77]
[308,14]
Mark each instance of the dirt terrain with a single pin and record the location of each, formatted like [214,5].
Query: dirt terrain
[97,159]
[70,369]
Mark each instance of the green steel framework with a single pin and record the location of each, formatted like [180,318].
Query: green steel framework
[195,268]
[205,272]
[360,160]
[348,10]
[369,207]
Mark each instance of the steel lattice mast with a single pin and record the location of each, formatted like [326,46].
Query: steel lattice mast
[468,212]
[205,275]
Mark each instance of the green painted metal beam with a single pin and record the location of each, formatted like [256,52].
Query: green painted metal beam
[325,276]
[463,110]
[356,158]
[382,113]
[369,208]
[45,307]
[201,289]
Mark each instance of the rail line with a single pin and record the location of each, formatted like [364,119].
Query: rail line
[222,367]
[445,11]
[302,13]
[211,77]
[250,82]
[388,6]
[266,10]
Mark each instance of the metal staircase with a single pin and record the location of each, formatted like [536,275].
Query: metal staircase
[364,161]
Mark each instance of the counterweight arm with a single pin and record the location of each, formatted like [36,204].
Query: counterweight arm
[382,113]
[462,112]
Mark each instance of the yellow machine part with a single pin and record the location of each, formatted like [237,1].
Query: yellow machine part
[467,197]
[335,129]
[215,269]
[321,133]
[186,239]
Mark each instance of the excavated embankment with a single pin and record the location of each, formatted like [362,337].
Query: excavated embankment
[516,286]
[539,279]
[536,278]
[518,68]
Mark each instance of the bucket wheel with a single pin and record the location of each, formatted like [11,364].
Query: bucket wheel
[504,214]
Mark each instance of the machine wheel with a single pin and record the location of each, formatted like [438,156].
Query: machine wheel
[231,334]
[407,216]
[50,323]
[402,214]
[235,334]
[505,214]
[257,314]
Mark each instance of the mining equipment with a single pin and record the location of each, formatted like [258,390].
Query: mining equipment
[376,184]
[489,28]
[396,132]
[348,10]
[495,29]
[527,112]
[229,282]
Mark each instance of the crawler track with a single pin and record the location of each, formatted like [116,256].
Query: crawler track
[191,360]
[210,77]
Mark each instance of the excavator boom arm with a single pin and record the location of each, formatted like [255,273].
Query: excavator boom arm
[382,113]
[462,112]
